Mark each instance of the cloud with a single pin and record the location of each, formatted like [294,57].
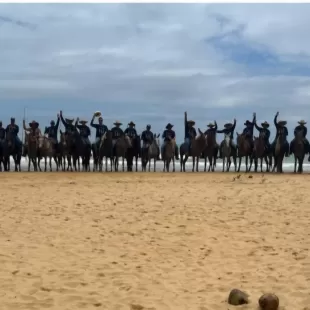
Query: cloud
[151,62]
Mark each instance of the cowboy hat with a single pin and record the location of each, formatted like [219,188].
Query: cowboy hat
[117,123]
[191,122]
[228,125]
[169,125]
[148,125]
[132,123]
[265,124]
[69,120]
[34,123]
[210,125]
[97,113]
[282,123]
[302,122]
[12,119]
[247,122]
[83,122]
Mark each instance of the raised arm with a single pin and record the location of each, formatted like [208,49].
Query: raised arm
[215,123]
[57,123]
[63,120]
[24,126]
[275,120]
[234,125]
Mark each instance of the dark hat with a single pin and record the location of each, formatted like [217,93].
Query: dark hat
[265,124]
[228,125]
[83,122]
[210,125]
[282,123]
[191,122]
[148,125]
[247,123]
[132,123]
[302,122]
[117,123]
[169,125]
[69,120]
[12,119]
[34,123]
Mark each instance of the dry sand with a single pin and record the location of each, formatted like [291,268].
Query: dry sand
[152,241]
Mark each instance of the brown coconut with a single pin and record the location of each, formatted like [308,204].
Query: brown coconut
[269,302]
[237,297]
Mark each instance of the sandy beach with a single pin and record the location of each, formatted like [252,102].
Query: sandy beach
[152,241]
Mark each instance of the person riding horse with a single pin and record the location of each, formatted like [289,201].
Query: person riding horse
[168,135]
[229,129]
[33,129]
[130,131]
[299,128]
[2,136]
[190,133]
[101,129]
[265,132]
[212,129]
[117,132]
[147,138]
[248,131]
[68,124]
[84,131]
[281,130]
[52,132]
[13,129]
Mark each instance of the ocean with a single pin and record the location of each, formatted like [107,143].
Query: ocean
[288,165]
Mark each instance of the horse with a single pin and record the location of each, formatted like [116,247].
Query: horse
[210,152]
[11,149]
[133,152]
[279,152]
[198,145]
[299,151]
[168,154]
[46,149]
[83,150]
[260,152]
[2,160]
[32,147]
[120,148]
[244,150]
[149,152]
[227,153]
[105,149]
[65,152]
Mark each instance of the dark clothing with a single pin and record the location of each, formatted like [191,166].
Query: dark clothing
[147,136]
[212,131]
[280,129]
[190,132]
[264,131]
[168,133]
[2,133]
[116,132]
[14,129]
[84,130]
[69,128]
[301,128]
[100,129]
[229,131]
[52,131]
[131,132]
[249,129]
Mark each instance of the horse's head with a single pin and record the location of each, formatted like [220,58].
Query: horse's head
[227,139]
[102,139]
[41,141]
[63,139]
[128,141]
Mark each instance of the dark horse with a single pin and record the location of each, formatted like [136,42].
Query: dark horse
[2,161]
[64,152]
[10,148]
[279,152]
[133,152]
[104,150]
[210,152]
[299,151]
[261,151]
[80,149]
[244,150]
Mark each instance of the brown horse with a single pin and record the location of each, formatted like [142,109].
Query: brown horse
[46,150]
[210,152]
[65,154]
[32,149]
[105,150]
[168,155]
[244,150]
[198,145]
[121,146]
[279,153]
[11,149]
[299,151]
[261,152]
[149,152]
[133,152]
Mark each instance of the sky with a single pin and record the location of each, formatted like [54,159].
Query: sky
[150,63]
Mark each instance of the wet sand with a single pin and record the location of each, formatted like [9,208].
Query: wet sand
[152,241]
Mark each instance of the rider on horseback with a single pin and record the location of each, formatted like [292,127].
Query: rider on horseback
[190,133]
[212,129]
[264,131]
[229,129]
[84,132]
[167,135]
[14,130]
[130,131]
[68,124]
[33,129]
[299,128]
[52,132]
[2,132]
[117,132]
[248,131]
[281,129]
[147,138]
[101,129]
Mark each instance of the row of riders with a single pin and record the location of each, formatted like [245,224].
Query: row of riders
[115,143]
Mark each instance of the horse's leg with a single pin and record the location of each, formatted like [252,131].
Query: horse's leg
[223,163]
[240,158]
[154,164]
[29,162]
[295,163]
[194,162]
[205,167]
[173,164]
[181,162]
[246,163]
[197,163]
